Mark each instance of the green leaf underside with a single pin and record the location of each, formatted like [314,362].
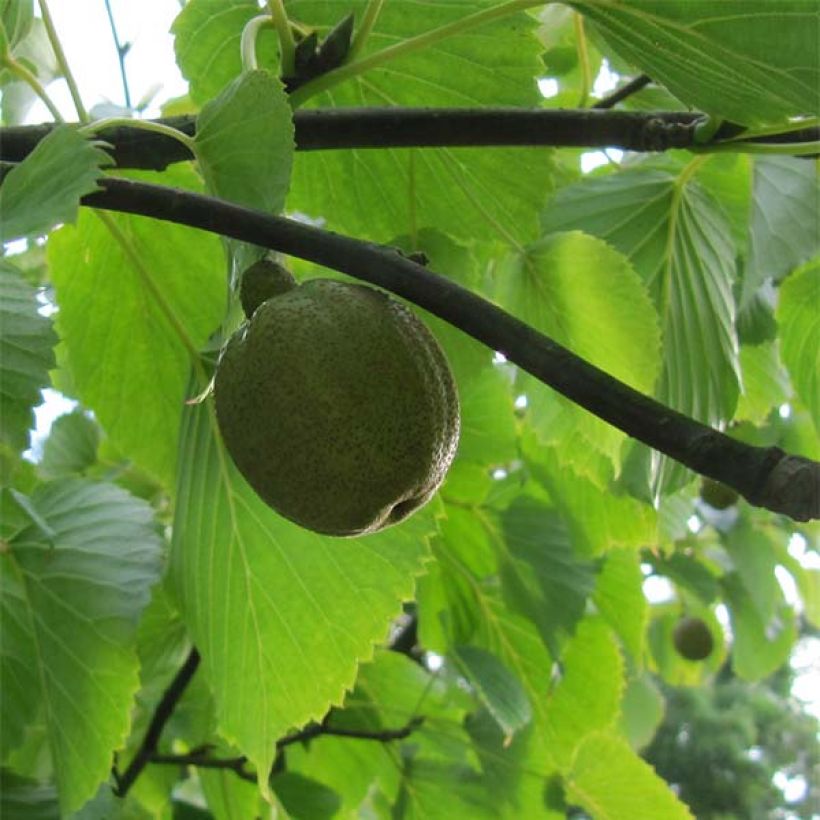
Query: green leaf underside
[749,61]
[128,358]
[463,192]
[799,320]
[71,446]
[280,615]
[680,244]
[496,686]
[26,355]
[71,609]
[45,188]
[244,142]
[206,42]
[569,286]
[610,782]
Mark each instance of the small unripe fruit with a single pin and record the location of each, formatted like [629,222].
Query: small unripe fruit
[693,639]
[262,281]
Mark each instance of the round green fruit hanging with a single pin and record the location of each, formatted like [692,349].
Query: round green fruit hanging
[337,405]
[693,639]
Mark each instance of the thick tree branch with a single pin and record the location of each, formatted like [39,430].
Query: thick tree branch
[323,129]
[162,714]
[766,477]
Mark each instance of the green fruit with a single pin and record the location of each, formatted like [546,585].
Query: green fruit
[717,495]
[693,639]
[338,407]
[262,281]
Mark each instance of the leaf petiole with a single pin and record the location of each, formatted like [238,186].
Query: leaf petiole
[94,128]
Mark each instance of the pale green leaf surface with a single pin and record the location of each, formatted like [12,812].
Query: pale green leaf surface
[228,797]
[45,188]
[748,61]
[16,19]
[541,575]
[206,43]
[765,382]
[570,286]
[82,596]
[71,446]
[598,519]
[587,697]
[620,599]
[244,142]
[128,356]
[26,355]
[464,192]
[642,709]
[304,797]
[610,782]
[755,556]
[281,616]
[23,798]
[498,689]
[680,244]
[798,315]
[760,646]
[784,227]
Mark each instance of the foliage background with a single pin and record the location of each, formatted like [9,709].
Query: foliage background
[692,277]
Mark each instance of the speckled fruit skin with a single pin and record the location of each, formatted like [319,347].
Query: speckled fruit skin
[338,407]
[693,639]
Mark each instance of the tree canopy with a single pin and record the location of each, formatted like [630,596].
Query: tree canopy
[635,347]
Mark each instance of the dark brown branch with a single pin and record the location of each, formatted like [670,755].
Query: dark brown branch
[162,713]
[324,129]
[632,87]
[201,758]
[766,477]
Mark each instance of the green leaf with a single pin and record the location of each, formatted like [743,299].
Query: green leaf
[642,710]
[23,798]
[741,60]
[588,693]
[765,382]
[71,446]
[158,291]
[680,244]
[16,18]
[611,782]
[784,229]
[619,598]
[281,616]
[541,575]
[207,44]
[244,142]
[77,602]
[26,355]
[45,188]
[760,645]
[799,322]
[754,555]
[498,689]
[570,286]
[463,192]
[305,798]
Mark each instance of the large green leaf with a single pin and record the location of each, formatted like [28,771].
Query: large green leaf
[765,381]
[611,782]
[207,44]
[464,192]
[584,294]
[157,291]
[588,693]
[16,17]
[784,228]
[45,188]
[799,320]
[680,243]
[281,616]
[71,446]
[749,61]
[244,142]
[26,355]
[75,601]
[542,576]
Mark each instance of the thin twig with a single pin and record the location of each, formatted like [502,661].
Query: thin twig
[162,713]
[235,764]
[765,476]
[122,50]
[632,87]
